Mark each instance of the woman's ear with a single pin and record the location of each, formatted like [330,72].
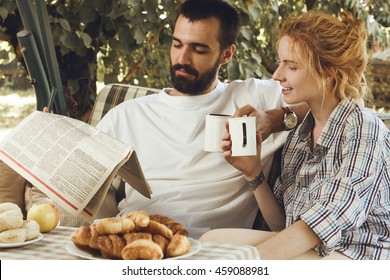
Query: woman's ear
[228,54]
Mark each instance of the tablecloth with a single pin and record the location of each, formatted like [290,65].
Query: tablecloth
[53,247]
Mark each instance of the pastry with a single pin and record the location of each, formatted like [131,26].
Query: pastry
[161,241]
[81,237]
[118,225]
[142,249]
[111,246]
[11,219]
[158,228]
[140,218]
[131,236]
[86,238]
[16,235]
[136,235]
[32,229]
[178,245]
[174,226]
[5,206]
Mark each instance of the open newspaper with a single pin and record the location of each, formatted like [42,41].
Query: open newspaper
[70,161]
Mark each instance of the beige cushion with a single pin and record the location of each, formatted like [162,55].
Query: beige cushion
[113,94]
[11,186]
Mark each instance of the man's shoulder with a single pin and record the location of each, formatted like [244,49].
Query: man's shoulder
[150,98]
[256,83]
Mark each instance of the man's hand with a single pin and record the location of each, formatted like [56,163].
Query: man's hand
[270,121]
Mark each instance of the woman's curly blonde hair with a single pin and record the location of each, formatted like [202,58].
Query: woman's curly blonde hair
[334,51]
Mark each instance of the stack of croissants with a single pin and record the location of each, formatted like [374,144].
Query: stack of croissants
[13,228]
[134,236]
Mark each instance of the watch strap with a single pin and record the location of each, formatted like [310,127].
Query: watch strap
[287,110]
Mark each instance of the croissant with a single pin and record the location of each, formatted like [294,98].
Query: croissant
[111,246]
[85,238]
[131,236]
[93,242]
[174,226]
[179,245]
[142,249]
[158,228]
[81,237]
[161,241]
[140,218]
[118,225]
[136,235]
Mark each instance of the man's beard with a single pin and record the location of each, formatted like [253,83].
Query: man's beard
[193,87]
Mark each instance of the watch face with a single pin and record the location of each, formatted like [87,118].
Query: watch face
[290,121]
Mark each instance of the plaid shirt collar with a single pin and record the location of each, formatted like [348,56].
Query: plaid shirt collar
[332,128]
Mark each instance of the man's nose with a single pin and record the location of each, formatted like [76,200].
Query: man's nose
[184,56]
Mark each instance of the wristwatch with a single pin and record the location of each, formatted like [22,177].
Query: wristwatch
[290,119]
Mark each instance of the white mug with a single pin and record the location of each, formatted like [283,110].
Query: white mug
[214,131]
[243,135]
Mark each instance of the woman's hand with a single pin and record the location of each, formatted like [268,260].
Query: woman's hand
[249,165]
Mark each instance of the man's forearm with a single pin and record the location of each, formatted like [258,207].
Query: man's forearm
[300,110]
[276,116]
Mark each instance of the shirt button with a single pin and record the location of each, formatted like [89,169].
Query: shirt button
[303,189]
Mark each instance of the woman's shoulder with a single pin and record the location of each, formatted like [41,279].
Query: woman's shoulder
[364,123]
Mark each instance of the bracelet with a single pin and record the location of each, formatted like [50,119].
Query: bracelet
[254,184]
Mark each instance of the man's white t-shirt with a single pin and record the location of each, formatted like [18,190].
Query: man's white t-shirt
[197,188]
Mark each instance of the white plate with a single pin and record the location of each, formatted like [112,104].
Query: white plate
[72,249]
[25,243]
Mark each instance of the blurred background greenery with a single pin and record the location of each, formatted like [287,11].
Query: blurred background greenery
[128,41]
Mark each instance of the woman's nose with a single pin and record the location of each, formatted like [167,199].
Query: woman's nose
[277,74]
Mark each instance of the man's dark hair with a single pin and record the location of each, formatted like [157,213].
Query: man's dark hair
[204,9]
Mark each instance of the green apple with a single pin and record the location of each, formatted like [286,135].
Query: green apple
[46,215]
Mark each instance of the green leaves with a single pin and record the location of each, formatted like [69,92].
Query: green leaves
[139,35]
[3,12]
[87,40]
[64,24]
[129,40]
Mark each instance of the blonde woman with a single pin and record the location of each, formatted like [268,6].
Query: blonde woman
[332,199]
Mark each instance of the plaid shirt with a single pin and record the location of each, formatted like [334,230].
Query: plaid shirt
[341,189]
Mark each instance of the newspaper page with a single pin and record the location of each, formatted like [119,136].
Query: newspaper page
[70,161]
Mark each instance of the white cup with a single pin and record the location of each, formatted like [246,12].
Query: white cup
[214,131]
[243,135]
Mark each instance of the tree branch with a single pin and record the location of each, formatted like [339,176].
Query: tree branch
[142,60]
[310,4]
[152,41]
